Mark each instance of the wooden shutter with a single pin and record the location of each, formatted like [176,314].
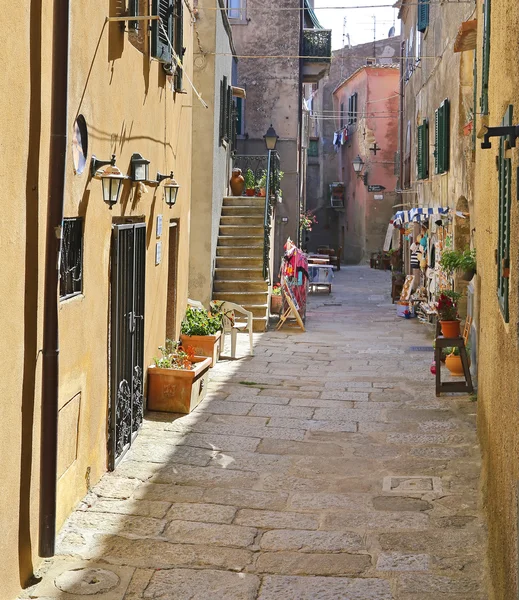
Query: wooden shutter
[485,66]
[436,140]
[342,114]
[133,11]
[160,48]
[239,116]
[419,152]
[223,99]
[229,111]
[354,106]
[503,243]
[179,41]
[423,15]
[446,130]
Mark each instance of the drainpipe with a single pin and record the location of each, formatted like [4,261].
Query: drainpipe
[50,367]
[402,107]
[300,124]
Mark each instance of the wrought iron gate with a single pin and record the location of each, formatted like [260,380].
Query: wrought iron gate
[127,337]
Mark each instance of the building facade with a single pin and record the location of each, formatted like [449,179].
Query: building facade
[367,103]
[123,269]
[496,229]
[323,154]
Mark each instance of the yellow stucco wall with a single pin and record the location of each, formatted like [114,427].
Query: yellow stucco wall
[129,106]
[498,416]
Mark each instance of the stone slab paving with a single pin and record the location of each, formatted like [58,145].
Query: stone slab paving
[322,468]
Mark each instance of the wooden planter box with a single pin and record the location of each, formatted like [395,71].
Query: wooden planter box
[204,345]
[178,391]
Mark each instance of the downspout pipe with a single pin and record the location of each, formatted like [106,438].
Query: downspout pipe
[50,366]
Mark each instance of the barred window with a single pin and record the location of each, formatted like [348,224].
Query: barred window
[71,261]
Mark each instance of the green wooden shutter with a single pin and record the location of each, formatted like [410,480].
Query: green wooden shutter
[423,15]
[239,116]
[485,66]
[446,128]
[436,140]
[419,152]
[229,113]
[503,243]
[223,98]
[179,41]
[160,48]
[355,107]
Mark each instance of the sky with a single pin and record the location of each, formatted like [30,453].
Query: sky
[359,21]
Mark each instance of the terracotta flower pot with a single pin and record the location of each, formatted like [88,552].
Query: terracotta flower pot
[450,329]
[276,302]
[262,192]
[454,364]
[203,345]
[176,390]
[250,192]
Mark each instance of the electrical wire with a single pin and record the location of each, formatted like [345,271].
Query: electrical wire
[297,56]
[298,8]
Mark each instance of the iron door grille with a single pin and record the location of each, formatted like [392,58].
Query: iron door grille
[71,258]
[127,337]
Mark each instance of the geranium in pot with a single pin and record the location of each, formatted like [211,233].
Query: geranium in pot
[276,300]
[177,382]
[448,314]
[202,331]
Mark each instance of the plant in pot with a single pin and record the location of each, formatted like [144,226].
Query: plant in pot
[202,331]
[455,260]
[276,300]
[250,183]
[177,381]
[448,313]
[262,184]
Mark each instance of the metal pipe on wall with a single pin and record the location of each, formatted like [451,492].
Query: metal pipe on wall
[50,368]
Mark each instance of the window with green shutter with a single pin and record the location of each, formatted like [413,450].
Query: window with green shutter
[442,137]
[313,148]
[485,63]
[423,15]
[228,114]
[422,150]
[503,241]
[160,48]
[178,41]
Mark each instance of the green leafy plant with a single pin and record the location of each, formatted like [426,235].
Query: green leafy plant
[200,322]
[455,260]
[250,179]
[262,181]
[173,356]
[276,289]
[454,296]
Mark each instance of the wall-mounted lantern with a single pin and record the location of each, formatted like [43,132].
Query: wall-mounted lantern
[111,179]
[358,165]
[171,188]
[271,138]
[140,168]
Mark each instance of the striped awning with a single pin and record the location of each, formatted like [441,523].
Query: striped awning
[417,215]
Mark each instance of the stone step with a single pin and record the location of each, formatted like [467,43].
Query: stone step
[244,201]
[235,251]
[241,240]
[240,285]
[239,273]
[242,220]
[240,230]
[258,310]
[259,325]
[242,298]
[245,262]
[243,211]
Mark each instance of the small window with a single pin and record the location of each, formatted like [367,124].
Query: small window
[423,15]
[162,31]
[313,148]
[236,10]
[352,108]
[71,259]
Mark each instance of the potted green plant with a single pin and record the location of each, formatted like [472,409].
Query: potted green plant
[455,260]
[276,300]
[202,331]
[447,310]
[250,183]
[262,184]
[177,381]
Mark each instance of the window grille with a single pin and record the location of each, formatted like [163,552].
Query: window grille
[71,259]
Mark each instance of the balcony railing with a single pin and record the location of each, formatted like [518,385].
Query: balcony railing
[317,45]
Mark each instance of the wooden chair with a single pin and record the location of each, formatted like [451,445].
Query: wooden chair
[233,324]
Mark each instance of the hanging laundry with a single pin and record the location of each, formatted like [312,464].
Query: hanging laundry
[344,136]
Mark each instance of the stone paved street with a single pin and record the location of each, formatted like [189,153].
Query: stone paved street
[322,468]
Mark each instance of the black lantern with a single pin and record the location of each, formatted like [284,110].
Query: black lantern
[96,164]
[140,168]
[358,165]
[271,138]
[171,188]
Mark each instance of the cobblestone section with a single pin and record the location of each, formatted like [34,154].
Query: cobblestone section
[322,468]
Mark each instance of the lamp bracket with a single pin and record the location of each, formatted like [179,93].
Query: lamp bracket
[511,131]
[161,177]
[96,164]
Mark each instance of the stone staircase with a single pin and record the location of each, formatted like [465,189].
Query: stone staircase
[239,257]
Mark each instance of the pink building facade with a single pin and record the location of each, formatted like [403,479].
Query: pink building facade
[368,104]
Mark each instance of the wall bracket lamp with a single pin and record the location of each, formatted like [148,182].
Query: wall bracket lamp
[96,164]
[171,188]
[358,165]
[140,168]
[111,179]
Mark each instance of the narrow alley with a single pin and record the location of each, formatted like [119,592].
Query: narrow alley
[324,467]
